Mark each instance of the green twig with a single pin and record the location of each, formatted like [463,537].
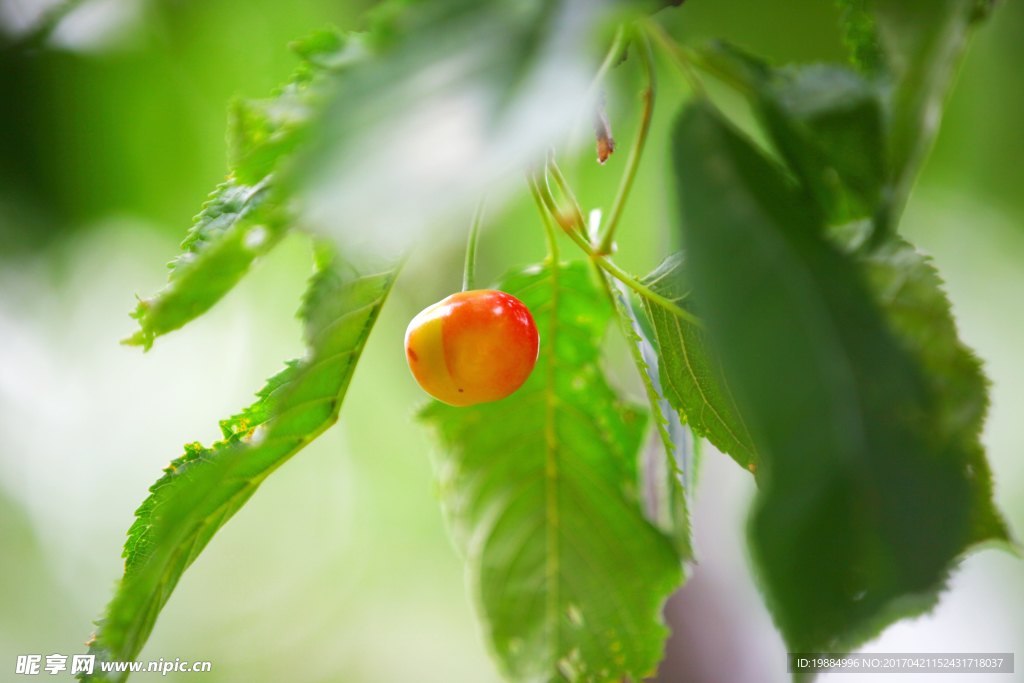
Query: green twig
[632,163]
[469,273]
[542,195]
[631,282]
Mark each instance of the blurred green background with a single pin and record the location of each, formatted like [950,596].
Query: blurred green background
[340,569]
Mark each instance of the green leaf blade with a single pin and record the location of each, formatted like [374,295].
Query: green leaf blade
[230,233]
[690,376]
[202,489]
[540,490]
[866,502]
[827,122]
[247,216]
[910,292]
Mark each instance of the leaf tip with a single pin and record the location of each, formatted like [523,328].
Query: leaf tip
[139,338]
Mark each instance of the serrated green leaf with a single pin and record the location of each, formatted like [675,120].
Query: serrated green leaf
[245,217]
[909,290]
[867,498]
[540,491]
[262,134]
[201,490]
[233,229]
[673,476]
[689,370]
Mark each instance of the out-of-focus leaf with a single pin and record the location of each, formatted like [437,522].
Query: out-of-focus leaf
[392,129]
[329,50]
[246,216]
[689,370]
[202,489]
[672,476]
[264,133]
[909,290]
[861,35]
[912,49]
[460,95]
[868,495]
[541,493]
[923,42]
[827,122]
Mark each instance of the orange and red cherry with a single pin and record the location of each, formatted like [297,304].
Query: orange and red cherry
[472,347]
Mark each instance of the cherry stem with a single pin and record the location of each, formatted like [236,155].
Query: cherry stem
[643,44]
[545,217]
[556,173]
[469,273]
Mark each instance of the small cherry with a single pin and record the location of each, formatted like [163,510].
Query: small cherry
[472,347]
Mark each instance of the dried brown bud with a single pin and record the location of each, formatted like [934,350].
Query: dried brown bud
[603,131]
